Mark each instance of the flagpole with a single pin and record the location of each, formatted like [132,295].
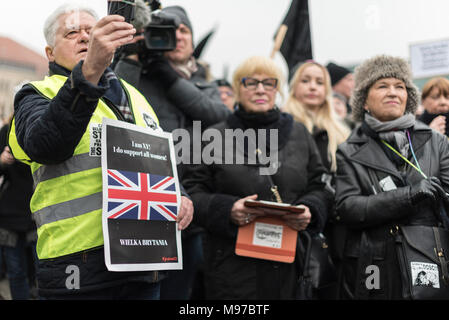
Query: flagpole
[279,39]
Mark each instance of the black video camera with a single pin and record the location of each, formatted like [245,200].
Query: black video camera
[160,33]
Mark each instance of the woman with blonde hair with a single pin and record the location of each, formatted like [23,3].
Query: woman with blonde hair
[220,189]
[310,102]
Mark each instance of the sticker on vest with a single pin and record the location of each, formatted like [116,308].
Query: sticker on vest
[387,184]
[425,274]
[149,121]
[95,140]
[268,235]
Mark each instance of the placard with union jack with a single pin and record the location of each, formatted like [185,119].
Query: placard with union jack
[141,199]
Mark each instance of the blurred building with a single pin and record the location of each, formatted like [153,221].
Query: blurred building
[17,64]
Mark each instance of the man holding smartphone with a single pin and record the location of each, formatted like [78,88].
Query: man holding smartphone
[51,132]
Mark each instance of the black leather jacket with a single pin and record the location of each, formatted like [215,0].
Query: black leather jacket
[366,211]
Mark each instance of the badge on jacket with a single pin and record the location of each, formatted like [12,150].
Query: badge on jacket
[387,184]
[95,140]
[149,121]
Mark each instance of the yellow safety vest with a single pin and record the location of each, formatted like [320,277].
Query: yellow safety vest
[67,200]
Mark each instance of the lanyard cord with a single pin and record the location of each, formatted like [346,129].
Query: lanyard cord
[273,187]
[404,158]
[411,148]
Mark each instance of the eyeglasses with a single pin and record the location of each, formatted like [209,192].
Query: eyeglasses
[227,93]
[252,84]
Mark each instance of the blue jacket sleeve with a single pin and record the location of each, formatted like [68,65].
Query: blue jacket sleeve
[49,130]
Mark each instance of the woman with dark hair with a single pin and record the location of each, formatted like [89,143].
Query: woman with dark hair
[389,173]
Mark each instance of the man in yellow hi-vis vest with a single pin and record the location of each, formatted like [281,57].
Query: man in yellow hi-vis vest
[53,128]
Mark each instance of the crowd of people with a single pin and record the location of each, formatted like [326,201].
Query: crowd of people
[355,149]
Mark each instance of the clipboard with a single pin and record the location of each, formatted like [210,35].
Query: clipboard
[267,238]
[288,208]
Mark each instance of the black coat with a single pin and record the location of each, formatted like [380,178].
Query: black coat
[184,102]
[214,189]
[49,130]
[427,118]
[16,191]
[322,142]
[366,213]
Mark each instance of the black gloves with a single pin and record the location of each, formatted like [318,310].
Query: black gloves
[444,203]
[425,189]
[432,190]
[159,68]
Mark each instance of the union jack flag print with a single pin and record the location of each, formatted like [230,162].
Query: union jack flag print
[141,196]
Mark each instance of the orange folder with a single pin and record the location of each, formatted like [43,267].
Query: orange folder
[267,238]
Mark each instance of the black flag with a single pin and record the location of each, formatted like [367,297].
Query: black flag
[297,44]
[199,48]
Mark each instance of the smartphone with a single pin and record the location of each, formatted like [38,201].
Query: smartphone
[124,8]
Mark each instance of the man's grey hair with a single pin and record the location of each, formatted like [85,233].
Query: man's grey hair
[52,24]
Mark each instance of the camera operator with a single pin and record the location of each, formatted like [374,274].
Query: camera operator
[176,87]
[51,133]
[173,82]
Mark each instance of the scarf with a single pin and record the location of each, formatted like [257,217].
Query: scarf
[186,69]
[393,131]
[272,119]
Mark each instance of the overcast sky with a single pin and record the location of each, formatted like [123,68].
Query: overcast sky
[345,31]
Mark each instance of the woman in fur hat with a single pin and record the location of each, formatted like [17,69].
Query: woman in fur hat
[389,172]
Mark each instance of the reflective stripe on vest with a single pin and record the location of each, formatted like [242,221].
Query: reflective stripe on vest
[67,200]
[77,163]
[65,210]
